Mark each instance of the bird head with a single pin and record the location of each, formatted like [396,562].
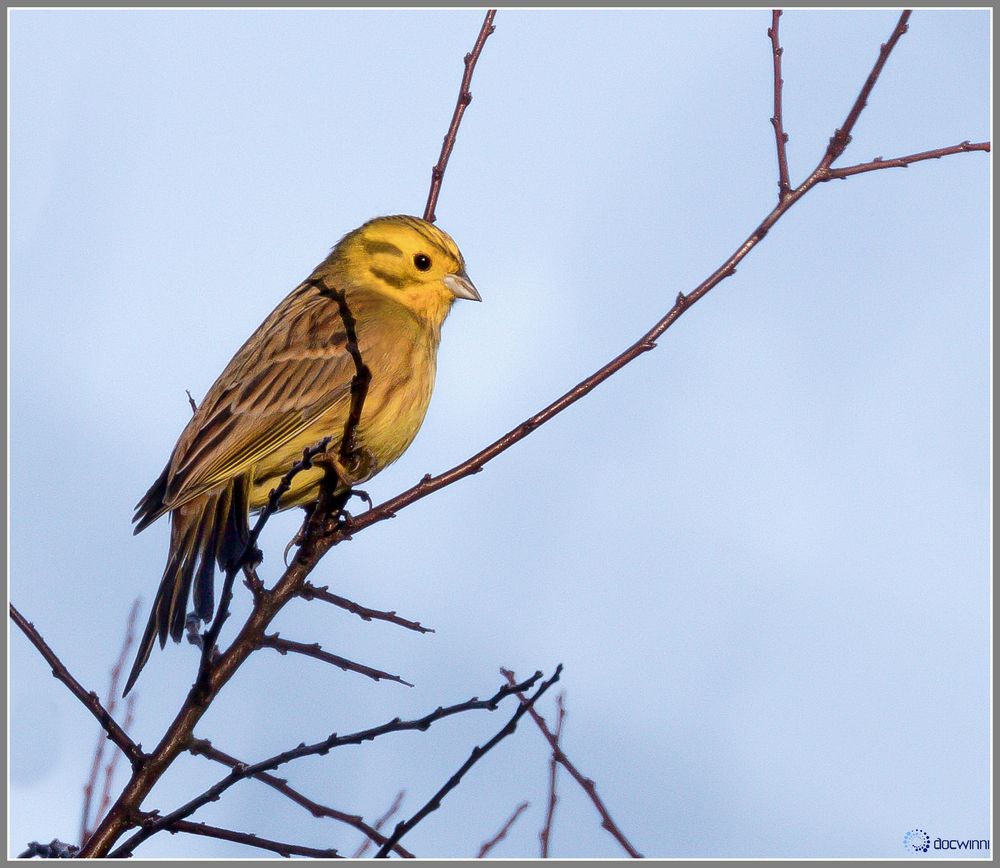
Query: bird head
[408,260]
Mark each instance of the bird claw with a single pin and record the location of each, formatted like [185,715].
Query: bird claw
[363,495]
[358,466]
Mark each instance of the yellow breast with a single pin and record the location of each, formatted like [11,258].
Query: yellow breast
[400,350]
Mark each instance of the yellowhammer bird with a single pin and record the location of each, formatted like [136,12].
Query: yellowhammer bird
[288,387]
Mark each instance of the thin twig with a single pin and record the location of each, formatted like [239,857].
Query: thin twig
[191,401]
[589,787]
[89,698]
[464,98]
[315,650]
[320,748]
[486,846]
[780,137]
[379,823]
[312,592]
[902,162]
[842,136]
[477,754]
[203,747]
[109,771]
[545,835]
[110,701]
[251,840]
[429,484]
[266,607]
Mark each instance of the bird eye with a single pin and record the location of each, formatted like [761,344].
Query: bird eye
[422,261]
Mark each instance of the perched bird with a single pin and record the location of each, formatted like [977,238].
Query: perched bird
[287,388]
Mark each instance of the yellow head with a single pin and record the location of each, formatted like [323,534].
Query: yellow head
[407,260]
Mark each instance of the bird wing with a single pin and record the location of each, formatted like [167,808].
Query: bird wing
[293,369]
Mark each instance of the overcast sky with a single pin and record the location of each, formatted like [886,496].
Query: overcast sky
[761,551]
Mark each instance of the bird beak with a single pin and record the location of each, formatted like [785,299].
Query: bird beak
[460,286]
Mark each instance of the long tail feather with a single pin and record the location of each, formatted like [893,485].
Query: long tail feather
[209,530]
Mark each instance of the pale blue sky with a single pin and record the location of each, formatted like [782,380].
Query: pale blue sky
[761,551]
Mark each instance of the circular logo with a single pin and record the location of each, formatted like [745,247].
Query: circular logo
[917,840]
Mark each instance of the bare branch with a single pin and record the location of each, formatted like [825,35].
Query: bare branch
[464,98]
[314,650]
[318,749]
[110,700]
[780,137]
[546,833]
[89,699]
[429,484]
[379,823]
[842,137]
[486,846]
[902,162]
[477,754]
[251,840]
[203,747]
[312,592]
[109,771]
[589,787]
[321,535]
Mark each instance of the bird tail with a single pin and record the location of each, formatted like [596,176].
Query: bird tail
[207,530]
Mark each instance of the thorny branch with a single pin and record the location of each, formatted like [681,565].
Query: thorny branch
[88,698]
[311,592]
[314,650]
[203,747]
[217,670]
[527,704]
[320,748]
[589,787]
[251,840]
[429,484]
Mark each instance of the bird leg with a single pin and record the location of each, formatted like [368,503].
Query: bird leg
[357,466]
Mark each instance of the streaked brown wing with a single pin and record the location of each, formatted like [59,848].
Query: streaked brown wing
[291,370]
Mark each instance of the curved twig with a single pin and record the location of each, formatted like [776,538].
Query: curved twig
[203,747]
[589,787]
[312,592]
[315,650]
[251,840]
[464,98]
[89,698]
[239,773]
[477,754]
